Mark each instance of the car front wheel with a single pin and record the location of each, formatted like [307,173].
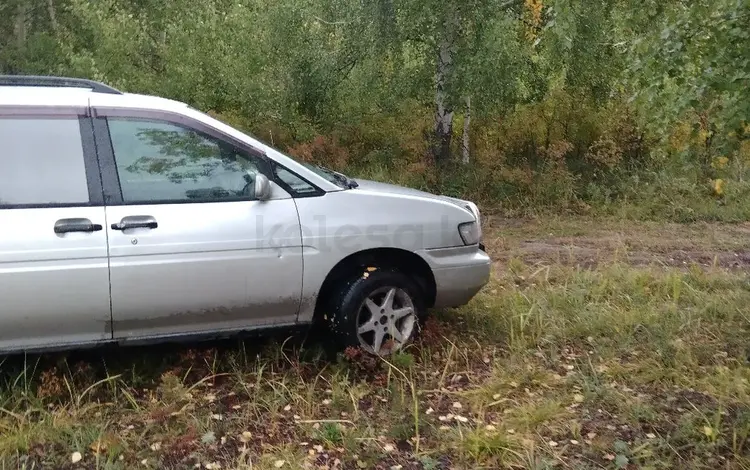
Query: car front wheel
[378,311]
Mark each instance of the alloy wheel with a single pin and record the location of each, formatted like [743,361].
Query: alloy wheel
[386,320]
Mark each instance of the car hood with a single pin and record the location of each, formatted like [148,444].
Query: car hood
[386,188]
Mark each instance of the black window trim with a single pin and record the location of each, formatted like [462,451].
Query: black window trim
[112,188]
[93,177]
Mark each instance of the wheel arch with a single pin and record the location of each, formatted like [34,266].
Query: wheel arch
[357,263]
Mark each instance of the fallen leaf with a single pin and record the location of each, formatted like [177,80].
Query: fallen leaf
[389,448]
[98,446]
[651,435]
[574,442]
[279,463]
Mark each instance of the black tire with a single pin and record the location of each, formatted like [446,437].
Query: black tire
[345,303]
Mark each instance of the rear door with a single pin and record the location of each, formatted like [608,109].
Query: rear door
[54,277]
[192,250]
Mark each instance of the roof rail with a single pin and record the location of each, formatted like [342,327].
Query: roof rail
[50,81]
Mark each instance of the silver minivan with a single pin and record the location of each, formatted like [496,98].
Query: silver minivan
[129,218]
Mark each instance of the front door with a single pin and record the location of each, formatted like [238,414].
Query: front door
[54,278]
[191,248]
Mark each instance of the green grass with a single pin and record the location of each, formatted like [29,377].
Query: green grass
[552,366]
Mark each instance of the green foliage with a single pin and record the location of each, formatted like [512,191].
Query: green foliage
[693,63]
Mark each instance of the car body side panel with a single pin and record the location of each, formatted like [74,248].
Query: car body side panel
[206,267]
[343,223]
[54,288]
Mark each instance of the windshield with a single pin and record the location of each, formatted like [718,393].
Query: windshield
[332,176]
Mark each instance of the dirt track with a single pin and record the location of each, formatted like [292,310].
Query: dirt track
[579,242]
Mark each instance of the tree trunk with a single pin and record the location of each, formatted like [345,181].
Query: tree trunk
[465,152]
[52,16]
[443,130]
[19,26]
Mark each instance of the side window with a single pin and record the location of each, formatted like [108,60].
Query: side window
[162,162]
[41,161]
[298,186]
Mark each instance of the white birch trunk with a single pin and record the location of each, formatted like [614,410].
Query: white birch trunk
[465,151]
[52,15]
[443,129]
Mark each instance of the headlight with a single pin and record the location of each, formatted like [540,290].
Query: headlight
[470,233]
[475,210]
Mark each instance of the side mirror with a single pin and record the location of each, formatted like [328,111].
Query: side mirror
[262,187]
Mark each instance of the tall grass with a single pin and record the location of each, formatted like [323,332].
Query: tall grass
[549,366]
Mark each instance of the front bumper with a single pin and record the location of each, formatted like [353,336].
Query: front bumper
[460,273]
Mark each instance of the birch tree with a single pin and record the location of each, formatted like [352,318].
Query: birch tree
[456,36]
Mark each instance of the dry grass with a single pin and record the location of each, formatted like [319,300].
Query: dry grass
[554,365]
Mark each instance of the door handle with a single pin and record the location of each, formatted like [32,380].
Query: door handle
[136,221]
[76,225]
